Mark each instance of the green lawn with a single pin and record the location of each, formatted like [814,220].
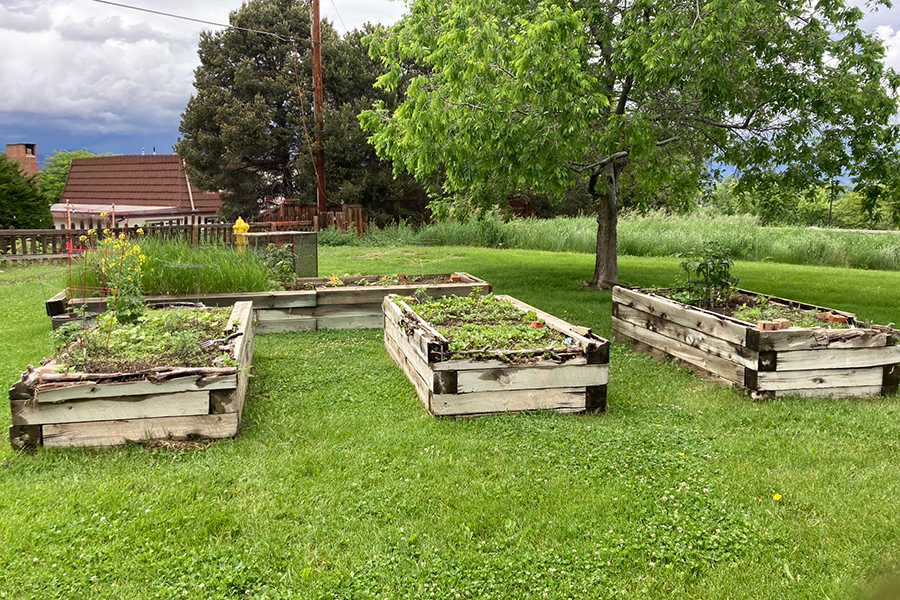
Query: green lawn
[341,486]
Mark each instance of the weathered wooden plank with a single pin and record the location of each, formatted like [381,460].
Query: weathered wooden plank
[114,433]
[579,334]
[702,321]
[465,364]
[191,383]
[288,325]
[412,353]
[532,378]
[288,299]
[818,379]
[834,392]
[820,337]
[715,365]
[803,360]
[110,409]
[56,304]
[404,362]
[570,399]
[716,346]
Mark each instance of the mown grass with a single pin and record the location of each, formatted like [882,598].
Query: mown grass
[341,486]
[655,234]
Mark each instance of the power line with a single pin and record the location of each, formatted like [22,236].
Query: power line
[337,12]
[183,18]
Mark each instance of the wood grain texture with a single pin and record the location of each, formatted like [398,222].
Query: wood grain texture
[479,403]
[717,346]
[710,324]
[135,388]
[803,360]
[718,367]
[110,409]
[531,378]
[820,379]
[114,433]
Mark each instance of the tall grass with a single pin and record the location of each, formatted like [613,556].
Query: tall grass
[653,234]
[174,267]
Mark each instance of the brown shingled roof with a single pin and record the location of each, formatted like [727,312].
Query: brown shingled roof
[136,180]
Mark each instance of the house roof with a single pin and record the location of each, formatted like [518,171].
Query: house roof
[136,180]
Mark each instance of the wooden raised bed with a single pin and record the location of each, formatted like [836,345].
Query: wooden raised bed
[799,361]
[325,307]
[477,387]
[52,409]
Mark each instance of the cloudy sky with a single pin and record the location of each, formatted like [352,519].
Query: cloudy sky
[83,74]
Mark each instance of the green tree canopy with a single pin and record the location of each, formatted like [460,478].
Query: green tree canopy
[21,203]
[249,128]
[535,94]
[55,169]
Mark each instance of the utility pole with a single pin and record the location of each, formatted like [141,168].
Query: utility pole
[318,97]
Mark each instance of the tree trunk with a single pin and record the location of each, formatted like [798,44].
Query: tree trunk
[606,268]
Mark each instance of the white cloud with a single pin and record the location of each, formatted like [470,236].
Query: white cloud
[891,38]
[89,66]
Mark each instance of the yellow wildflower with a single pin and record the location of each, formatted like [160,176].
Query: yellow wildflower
[103,214]
[139,231]
[121,236]
[106,232]
[82,237]
[776,497]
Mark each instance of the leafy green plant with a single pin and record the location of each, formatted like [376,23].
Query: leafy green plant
[158,337]
[486,323]
[707,275]
[280,261]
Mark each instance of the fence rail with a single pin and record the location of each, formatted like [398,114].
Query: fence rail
[46,244]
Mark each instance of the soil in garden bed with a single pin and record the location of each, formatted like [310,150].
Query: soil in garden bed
[753,308]
[479,326]
[162,337]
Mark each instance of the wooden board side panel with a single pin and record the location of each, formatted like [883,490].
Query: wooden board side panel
[114,433]
[713,365]
[804,360]
[532,378]
[736,353]
[817,338]
[559,399]
[191,383]
[110,409]
[420,386]
[819,379]
[712,325]
[410,353]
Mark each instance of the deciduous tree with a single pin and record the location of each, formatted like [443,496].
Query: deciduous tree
[55,169]
[533,94]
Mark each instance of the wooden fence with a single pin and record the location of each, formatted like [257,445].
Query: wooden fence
[44,244]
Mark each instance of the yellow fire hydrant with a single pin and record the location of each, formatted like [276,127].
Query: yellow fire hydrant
[240,241]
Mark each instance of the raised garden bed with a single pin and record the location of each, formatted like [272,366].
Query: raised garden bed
[568,376]
[315,303]
[105,409]
[794,361]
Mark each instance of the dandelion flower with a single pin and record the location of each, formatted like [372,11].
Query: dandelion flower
[776,497]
